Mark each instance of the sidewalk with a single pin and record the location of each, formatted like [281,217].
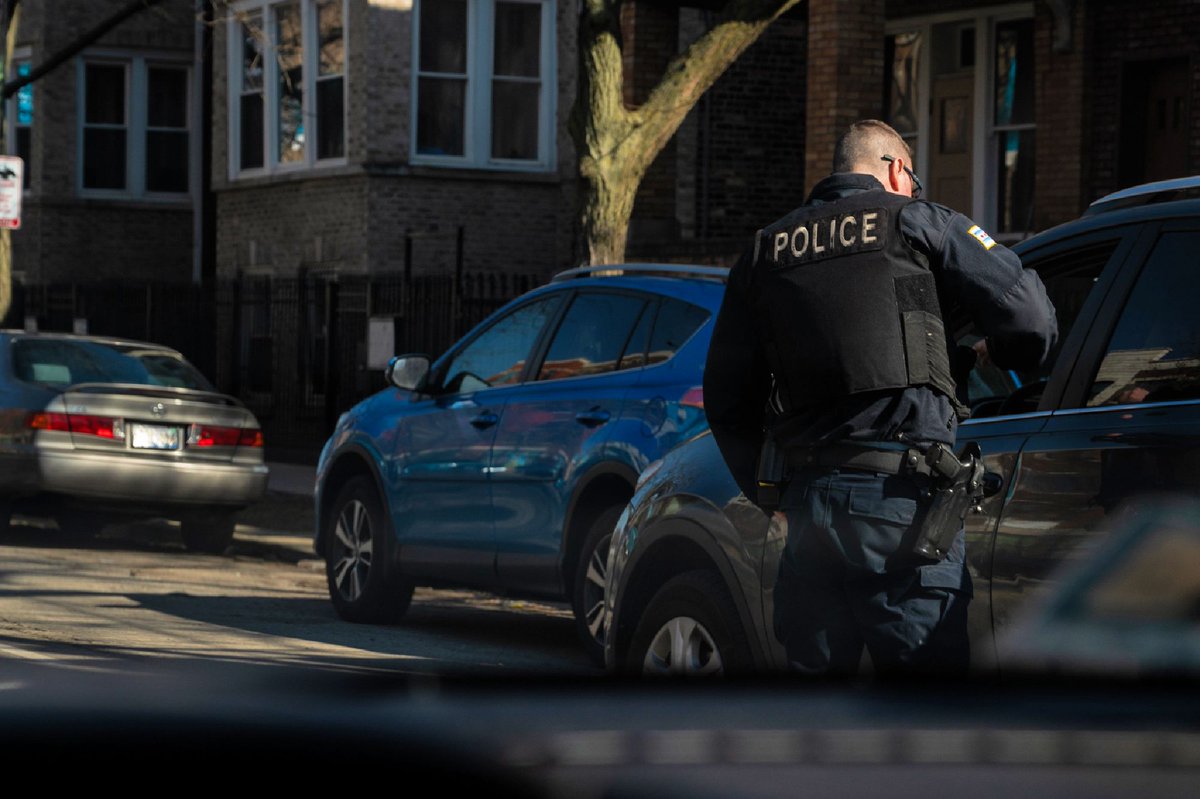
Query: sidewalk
[291,478]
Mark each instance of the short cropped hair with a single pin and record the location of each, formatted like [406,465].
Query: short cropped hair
[865,142]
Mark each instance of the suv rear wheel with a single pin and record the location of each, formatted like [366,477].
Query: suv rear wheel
[690,629]
[361,577]
[591,572]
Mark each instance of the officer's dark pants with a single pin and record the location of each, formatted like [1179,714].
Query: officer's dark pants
[848,579]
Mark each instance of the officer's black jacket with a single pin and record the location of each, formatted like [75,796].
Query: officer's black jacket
[1007,303]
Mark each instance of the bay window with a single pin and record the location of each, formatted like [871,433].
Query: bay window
[287,66]
[484,84]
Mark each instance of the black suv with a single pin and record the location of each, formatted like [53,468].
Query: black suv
[1115,417]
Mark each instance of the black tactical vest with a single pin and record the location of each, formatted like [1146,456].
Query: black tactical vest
[846,306]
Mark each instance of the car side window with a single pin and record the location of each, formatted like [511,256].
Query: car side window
[497,356]
[1069,278]
[676,322]
[1154,352]
[592,336]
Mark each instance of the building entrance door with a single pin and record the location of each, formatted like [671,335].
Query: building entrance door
[949,169]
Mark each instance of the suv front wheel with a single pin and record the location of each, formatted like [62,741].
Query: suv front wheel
[360,574]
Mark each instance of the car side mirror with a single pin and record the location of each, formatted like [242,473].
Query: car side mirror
[408,372]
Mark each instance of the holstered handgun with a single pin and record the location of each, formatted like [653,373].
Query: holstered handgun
[957,490]
[770,476]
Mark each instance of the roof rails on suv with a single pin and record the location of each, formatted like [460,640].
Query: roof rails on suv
[1147,194]
[720,273]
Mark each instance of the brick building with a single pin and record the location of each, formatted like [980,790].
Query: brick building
[348,136]
[110,142]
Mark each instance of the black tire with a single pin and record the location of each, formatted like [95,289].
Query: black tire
[6,507]
[591,570]
[210,535]
[708,638]
[359,571]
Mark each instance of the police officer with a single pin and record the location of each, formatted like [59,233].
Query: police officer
[831,344]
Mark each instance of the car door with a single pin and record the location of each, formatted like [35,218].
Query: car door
[1127,426]
[441,449]
[555,428]
[1009,408]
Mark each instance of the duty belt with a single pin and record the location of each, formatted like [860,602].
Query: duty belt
[863,457]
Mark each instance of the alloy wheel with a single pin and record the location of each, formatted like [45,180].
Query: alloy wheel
[353,556]
[683,646]
[593,590]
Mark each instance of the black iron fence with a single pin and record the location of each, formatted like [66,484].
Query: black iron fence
[299,350]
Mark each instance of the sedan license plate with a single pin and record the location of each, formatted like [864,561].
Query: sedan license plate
[152,436]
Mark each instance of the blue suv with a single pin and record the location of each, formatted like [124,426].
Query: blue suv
[506,463]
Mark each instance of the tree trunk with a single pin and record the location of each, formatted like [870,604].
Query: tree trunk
[8,35]
[617,145]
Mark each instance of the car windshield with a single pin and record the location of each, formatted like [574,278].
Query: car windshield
[59,363]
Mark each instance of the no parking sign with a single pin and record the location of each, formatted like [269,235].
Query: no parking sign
[12,171]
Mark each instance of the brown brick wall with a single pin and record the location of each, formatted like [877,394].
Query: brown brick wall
[650,34]
[1126,33]
[1061,115]
[752,161]
[845,75]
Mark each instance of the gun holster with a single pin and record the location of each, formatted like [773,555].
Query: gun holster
[957,490]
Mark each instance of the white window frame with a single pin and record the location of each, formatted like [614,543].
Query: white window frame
[270,89]
[983,129]
[20,54]
[477,123]
[136,65]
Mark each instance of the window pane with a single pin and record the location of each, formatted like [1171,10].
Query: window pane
[515,120]
[167,98]
[252,53]
[497,357]
[518,39]
[440,116]
[167,161]
[635,351]
[903,63]
[676,323]
[105,95]
[1014,203]
[444,36]
[290,54]
[1014,72]
[103,158]
[332,50]
[330,119]
[252,131]
[592,336]
[1154,354]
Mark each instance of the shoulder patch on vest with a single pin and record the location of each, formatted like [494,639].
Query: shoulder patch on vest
[982,237]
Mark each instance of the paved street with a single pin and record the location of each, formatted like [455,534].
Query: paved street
[132,598]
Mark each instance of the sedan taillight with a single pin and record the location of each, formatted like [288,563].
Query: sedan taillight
[84,424]
[204,435]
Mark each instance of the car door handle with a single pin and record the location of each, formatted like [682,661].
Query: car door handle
[484,420]
[992,483]
[593,418]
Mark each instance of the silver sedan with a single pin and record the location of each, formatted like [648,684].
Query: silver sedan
[95,429]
